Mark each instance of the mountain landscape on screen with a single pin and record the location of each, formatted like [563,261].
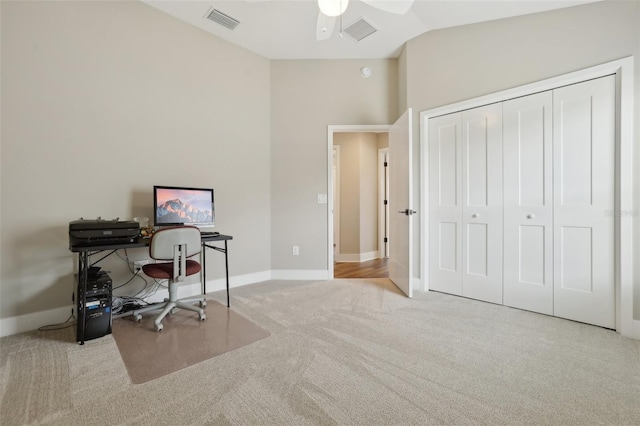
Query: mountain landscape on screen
[176,211]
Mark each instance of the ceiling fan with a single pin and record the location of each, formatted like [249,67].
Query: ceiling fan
[330,10]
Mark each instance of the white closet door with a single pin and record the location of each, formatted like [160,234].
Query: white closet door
[445,204]
[584,148]
[528,203]
[482,203]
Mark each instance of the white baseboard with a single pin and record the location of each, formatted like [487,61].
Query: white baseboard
[35,320]
[635,333]
[236,281]
[357,257]
[416,284]
[32,321]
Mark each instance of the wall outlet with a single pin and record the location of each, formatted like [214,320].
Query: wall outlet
[295,250]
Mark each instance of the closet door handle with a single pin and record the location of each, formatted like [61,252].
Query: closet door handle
[475,215]
[530,216]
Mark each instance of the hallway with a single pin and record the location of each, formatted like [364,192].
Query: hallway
[376,268]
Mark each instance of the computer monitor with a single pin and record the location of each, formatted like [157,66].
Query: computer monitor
[175,205]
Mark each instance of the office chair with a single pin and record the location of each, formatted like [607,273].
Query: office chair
[173,247]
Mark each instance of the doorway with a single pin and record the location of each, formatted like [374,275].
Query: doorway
[354,247]
[375,268]
[360,180]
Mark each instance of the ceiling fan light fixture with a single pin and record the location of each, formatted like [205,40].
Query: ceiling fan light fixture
[333,7]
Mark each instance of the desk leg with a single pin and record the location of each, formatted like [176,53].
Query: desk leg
[203,276]
[226,268]
[83,267]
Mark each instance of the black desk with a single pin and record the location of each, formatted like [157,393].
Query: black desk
[87,250]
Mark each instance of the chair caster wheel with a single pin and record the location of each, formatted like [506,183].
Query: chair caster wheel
[174,310]
[158,327]
[137,317]
[203,317]
[203,303]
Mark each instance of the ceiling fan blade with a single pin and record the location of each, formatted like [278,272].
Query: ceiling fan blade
[399,7]
[324,26]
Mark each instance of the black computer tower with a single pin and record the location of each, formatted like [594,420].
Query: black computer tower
[94,310]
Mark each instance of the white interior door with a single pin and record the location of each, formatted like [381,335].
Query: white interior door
[482,203]
[584,188]
[445,204]
[400,204]
[528,202]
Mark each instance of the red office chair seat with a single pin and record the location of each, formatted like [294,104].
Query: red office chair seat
[164,271]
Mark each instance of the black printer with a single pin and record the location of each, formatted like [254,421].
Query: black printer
[95,232]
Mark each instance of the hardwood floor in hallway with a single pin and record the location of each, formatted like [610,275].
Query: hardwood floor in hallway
[376,268]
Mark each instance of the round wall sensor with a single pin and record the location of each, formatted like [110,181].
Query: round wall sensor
[365,72]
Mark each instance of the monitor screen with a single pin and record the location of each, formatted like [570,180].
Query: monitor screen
[183,206]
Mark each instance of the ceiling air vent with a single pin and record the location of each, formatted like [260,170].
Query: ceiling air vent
[222,19]
[360,29]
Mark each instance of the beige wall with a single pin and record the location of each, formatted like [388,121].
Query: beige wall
[349,210]
[358,192]
[369,193]
[102,100]
[307,97]
[451,65]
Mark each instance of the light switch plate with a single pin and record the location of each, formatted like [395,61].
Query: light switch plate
[322,198]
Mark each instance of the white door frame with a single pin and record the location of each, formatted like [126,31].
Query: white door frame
[331,129]
[623,69]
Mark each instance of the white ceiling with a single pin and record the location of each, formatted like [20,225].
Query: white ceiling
[278,29]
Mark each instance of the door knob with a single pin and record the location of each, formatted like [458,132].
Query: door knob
[408,212]
[530,216]
[475,215]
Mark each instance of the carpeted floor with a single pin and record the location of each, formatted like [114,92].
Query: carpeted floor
[347,352]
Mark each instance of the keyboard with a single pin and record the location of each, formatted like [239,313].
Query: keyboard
[209,234]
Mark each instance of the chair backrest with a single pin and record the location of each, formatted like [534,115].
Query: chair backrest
[163,242]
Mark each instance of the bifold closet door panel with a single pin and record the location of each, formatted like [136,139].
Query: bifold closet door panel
[482,203]
[528,202]
[584,190]
[445,204]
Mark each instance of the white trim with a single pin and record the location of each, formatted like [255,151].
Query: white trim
[357,257]
[415,282]
[623,68]
[423,186]
[28,322]
[625,254]
[220,284]
[636,330]
[331,129]
[21,323]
